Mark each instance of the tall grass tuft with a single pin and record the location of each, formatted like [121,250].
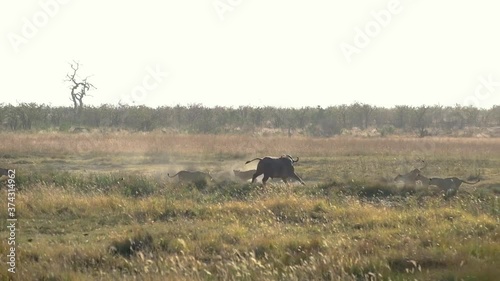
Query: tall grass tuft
[139,186]
[142,241]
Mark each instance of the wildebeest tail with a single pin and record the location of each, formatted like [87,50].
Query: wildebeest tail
[173,175]
[470,182]
[252,160]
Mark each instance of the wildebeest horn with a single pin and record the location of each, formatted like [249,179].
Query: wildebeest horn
[290,157]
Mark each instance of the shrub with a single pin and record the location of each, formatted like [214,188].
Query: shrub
[387,130]
[138,186]
[141,241]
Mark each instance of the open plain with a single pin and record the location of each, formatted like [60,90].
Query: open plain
[100,206]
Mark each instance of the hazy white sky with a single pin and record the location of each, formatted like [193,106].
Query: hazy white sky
[253,52]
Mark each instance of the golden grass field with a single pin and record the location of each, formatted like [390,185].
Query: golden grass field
[100,207]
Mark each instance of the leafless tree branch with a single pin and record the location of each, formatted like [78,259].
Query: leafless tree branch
[78,89]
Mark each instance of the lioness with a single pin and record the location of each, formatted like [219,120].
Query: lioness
[449,185]
[244,175]
[191,176]
[411,178]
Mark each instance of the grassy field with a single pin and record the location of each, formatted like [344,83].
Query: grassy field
[100,206]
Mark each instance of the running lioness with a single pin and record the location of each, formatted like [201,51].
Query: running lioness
[412,178]
[244,175]
[192,176]
[449,185]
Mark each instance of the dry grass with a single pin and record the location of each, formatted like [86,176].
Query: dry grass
[348,223]
[150,143]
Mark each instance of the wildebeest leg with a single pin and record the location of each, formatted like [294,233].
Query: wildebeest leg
[285,181]
[450,193]
[297,178]
[255,176]
[264,180]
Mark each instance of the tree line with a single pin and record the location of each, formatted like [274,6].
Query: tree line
[196,118]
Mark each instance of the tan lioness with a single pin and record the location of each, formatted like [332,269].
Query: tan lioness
[191,176]
[412,178]
[244,175]
[449,185]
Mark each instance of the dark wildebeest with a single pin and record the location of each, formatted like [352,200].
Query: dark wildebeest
[4,173]
[271,167]
[187,176]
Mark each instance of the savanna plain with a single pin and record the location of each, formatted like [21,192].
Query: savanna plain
[100,206]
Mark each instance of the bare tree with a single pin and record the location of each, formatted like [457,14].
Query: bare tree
[79,88]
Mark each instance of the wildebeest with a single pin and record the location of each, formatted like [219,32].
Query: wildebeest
[244,175]
[272,167]
[192,176]
[4,172]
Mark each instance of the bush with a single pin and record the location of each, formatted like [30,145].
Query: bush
[138,186]
[387,130]
[234,190]
[141,241]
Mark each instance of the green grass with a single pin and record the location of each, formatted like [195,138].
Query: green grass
[278,232]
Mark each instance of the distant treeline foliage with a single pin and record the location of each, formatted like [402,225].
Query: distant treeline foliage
[196,118]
